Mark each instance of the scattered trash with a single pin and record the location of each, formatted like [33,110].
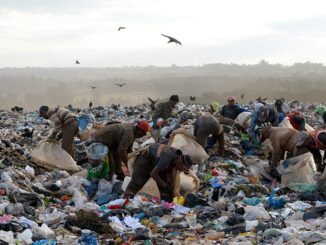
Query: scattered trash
[45,199]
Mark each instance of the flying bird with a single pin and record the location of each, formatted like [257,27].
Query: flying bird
[120,85]
[153,102]
[192,98]
[77,62]
[92,87]
[172,39]
[121,28]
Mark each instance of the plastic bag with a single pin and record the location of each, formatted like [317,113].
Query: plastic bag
[99,172]
[51,156]
[299,169]
[83,122]
[97,151]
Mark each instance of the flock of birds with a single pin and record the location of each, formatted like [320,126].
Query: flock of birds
[171,40]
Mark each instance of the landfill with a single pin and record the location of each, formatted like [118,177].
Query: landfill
[56,200]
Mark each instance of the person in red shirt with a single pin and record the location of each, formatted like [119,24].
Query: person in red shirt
[297,120]
[316,142]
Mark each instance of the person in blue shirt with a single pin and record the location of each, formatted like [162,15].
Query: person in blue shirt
[265,114]
[231,110]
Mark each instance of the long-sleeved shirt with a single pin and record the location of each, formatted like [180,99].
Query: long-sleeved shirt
[59,116]
[163,110]
[271,118]
[166,159]
[231,111]
[118,137]
[284,139]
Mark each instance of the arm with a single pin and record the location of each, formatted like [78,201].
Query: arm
[240,109]
[57,125]
[252,126]
[125,142]
[158,112]
[221,143]
[155,174]
[196,179]
[176,182]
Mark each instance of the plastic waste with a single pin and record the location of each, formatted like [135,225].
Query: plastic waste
[101,171]
[7,237]
[30,170]
[52,218]
[275,202]
[97,152]
[253,201]
[25,236]
[255,212]
[88,238]
[45,242]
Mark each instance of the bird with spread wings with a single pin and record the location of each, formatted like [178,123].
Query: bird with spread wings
[172,39]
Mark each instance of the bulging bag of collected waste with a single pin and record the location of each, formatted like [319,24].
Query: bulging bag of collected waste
[51,156]
[285,123]
[244,119]
[187,183]
[299,169]
[182,140]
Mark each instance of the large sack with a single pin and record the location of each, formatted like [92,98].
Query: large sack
[244,119]
[187,183]
[285,123]
[182,140]
[52,156]
[298,170]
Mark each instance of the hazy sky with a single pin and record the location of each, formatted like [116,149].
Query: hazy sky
[48,33]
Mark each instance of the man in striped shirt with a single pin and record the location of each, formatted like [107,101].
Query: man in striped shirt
[65,126]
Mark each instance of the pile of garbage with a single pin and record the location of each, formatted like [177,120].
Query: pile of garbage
[61,201]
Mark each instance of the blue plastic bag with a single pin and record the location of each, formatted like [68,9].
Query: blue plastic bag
[83,122]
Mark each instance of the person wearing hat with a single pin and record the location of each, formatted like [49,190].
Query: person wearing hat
[162,163]
[65,126]
[297,120]
[231,110]
[119,138]
[204,127]
[164,110]
[264,115]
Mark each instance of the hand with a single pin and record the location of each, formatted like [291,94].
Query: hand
[50,140]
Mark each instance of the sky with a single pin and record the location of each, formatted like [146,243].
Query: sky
[54,33]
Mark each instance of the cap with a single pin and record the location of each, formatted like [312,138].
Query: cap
[186,162]
[231,98]
[174,98]
[215,105]
[143,125]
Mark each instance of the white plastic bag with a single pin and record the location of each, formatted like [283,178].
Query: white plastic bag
[299,169]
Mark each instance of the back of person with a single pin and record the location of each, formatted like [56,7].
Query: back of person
[164,155]
[60,115]
[319,137]
[111,135]
[230,111]
[207,124]
[285,138]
